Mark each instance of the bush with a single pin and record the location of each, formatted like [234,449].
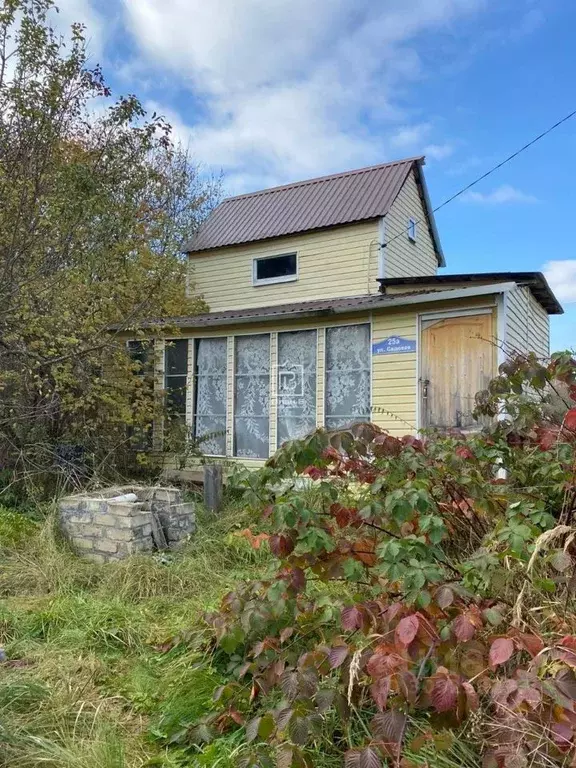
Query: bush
[446,621]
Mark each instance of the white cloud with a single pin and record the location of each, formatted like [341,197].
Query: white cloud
[288,87]
[439,151]
[410,135]
[562,278]
[71,11]
[499,196]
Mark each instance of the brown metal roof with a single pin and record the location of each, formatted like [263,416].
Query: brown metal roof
[533,280]
[343,198]
[323,307]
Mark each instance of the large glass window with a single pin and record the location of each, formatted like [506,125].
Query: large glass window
[141,353]
[175,373]
[252,396]
[296,384]
[347,375]
[210,396]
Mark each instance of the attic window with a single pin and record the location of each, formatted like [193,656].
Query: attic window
[275,269]
[412,230]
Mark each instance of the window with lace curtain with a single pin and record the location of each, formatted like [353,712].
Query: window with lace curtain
[347,397]
[210,395]
[296,384]
[252,396]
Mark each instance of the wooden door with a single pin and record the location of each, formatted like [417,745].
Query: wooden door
[456,361]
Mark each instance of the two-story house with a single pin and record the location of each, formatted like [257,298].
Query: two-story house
[326,309]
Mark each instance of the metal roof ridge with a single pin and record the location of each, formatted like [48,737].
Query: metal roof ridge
[320,179]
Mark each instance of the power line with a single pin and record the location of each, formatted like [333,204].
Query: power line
[491,171]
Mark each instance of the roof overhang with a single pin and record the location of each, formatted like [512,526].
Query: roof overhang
[324,308]
[420,162]
[533,280]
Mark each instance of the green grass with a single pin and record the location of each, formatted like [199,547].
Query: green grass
[85,686]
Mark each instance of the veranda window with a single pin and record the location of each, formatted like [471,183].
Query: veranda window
[296,384]
[252,396]
[175,373]
[210,396]
[347,375]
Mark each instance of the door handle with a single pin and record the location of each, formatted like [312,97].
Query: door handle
[425,384]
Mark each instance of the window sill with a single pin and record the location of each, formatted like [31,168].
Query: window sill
[273,280]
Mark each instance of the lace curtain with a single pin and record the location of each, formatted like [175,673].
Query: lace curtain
[252,396]
[210,396]
[296,384]
[347,375]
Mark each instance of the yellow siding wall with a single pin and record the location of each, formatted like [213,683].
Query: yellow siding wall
[538,327]
[394,377]
[527,324]
[402,257]
[342,261]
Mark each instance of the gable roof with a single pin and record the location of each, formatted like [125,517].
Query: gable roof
[343,198]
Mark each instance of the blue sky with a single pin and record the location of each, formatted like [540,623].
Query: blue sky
[271,91]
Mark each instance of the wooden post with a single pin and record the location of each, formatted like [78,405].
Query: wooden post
[213,487]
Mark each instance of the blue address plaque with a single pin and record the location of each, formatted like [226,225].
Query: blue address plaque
[394,345]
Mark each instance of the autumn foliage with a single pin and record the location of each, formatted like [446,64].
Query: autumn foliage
[420,591]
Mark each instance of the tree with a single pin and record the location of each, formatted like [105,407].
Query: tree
[95,206]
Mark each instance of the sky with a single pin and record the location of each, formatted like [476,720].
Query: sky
[273,91]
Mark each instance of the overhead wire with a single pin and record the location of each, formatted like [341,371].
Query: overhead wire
[488,173]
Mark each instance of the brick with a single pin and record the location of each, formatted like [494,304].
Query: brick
[96,505]
[105,545]
[106,520]
[188,508]
[82,543]
[94,557]
[143,531]
[120,534]
[167,494]
[86,517]
[125,509]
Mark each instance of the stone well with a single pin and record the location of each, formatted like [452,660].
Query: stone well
[116,522]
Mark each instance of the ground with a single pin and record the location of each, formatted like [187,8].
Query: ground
[87,683]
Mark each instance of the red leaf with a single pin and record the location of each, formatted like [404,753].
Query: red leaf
[472,701]
[352,618]
[444,694]
[369,759]
[286,633]
[408,686]
[546,437]
[379,692]
[500,651]
[528,642]
[281,545]
[562,735]
[314,472]
[337,656]
[407,629]
[297,579]
[570,420]
[464,452]
[388,727]
[463,628]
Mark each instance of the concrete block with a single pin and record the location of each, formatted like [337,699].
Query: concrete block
[126,509]
[96,505]
[172,495]
[106,520]
[81,543]
[85,517]
[105,545]
[94,557]
[119,534]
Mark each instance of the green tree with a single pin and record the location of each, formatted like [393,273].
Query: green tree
[96,201]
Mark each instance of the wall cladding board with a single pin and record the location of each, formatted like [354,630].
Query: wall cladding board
[342,261]
[404,258]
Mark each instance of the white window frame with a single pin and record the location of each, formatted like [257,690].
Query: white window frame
[412,230]
[272,280]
